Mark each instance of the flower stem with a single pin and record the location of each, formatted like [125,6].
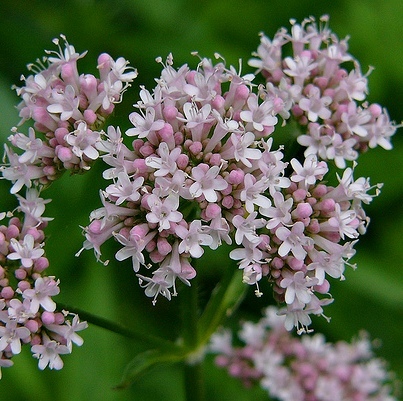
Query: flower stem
[194,383]
[120,329]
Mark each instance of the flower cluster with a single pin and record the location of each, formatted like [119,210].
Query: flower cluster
[201,170]
[302,368]
[67,110]
[309,67]
[28,314]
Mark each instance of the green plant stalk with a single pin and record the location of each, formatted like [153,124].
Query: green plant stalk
[193,375]
[120,329]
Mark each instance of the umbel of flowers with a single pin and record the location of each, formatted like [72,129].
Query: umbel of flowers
[198,167]
[201,169]
[28,314]
[303,368]
[67,110]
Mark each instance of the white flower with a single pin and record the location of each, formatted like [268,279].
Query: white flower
[193,238]
[207,182]
[49,353]
[26,251]
[163,212]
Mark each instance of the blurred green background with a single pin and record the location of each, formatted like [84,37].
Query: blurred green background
[371,298]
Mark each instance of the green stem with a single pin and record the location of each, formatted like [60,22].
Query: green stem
[225,299]
[120,329]
[194,383]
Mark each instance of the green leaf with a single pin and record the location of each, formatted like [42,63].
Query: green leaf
[146,361]
[225,299]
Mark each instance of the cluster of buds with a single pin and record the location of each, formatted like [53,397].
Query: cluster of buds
[28,314]
[312,68]
[67,110]
[201,170]
[303,368]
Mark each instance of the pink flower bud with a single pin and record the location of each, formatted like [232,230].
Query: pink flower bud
[299,195]
[48,318]
[375,110]
[196,148]
[12,231]
[182,161]
[303,211]
[327,205]
[41,264]
[24,285]
[213,210]
[218,102]
[7,292]
[170,112]
[64,154]
[166,133]
[32,326]
[236,177]
[227,202]
[140,165]
[156,257]
[163,246]
[20,274]
[319,191]
[146,150]
[59,317]
[215,159]
[60,134]
[90,116]
[323,288]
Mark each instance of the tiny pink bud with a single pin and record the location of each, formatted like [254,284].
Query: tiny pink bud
[104,61]
[20,274]
[36,339]
[242,92]
[60,134]
[215,159]
[140,165]
[151,246]
[182,161]
[236,177]
[48,317]
[319,191]
[7,293]
[156,257]
[196,148]
[32,326]
[375,110]
[227,202]
[12,231]
[170,112]
[218,102]
[146,150]
[4,282]
[64,154]
[303,210]
[90,116]
[178,136]
[314,226]
[295,264]
[59,317]
[323,288]
[327,205]
[299,195]
[213,210]
[321,82]
[41,264]
[163,246]
[166,132]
